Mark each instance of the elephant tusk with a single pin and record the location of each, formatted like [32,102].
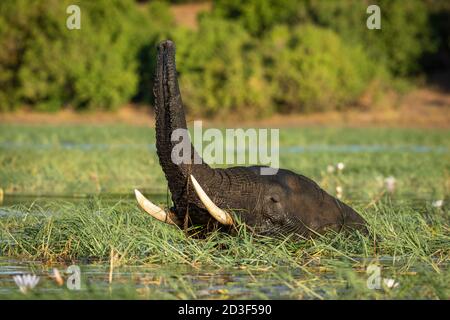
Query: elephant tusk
[219,214]
[155,211]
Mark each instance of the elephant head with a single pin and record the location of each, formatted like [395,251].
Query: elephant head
[284,203]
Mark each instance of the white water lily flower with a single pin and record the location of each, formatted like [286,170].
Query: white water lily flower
[26,282]
[437,203]
[390,283]
[389,183]
[340,166]
[330,168]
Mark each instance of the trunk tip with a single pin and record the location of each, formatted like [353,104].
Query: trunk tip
[166,44]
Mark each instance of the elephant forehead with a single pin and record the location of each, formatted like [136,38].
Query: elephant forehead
[287,181]
[292,182]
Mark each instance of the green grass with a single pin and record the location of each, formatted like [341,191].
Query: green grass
[408,236]
[332,266]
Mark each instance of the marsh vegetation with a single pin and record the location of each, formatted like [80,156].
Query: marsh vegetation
[68,200]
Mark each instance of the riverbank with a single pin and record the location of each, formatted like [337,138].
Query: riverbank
[420,108]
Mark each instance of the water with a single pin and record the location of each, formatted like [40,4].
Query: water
[132,281]
[314,148]
[106,198]
[184,282]
[172,282]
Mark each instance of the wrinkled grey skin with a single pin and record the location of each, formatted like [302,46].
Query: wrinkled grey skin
[282,204]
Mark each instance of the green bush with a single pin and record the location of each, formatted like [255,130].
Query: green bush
[221,70]
[252,56]
[259,16]
[46,65]
[402,40]
[312,69]
[404,36]
[157,27]
[439,18]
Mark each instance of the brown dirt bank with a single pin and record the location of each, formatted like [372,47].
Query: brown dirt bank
[421,108]
[185,14]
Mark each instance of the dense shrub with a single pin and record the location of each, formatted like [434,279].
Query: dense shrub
[158,26]
[44,64]
[246,56]
[258,16]
[223,69]
[439,18]
[404,36]
[311,68]
[220,69]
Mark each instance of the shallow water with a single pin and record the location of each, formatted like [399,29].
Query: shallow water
[16,199]
[160,282]
[22,199]
[314,148]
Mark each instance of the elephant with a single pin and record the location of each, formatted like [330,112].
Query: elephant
[281,204]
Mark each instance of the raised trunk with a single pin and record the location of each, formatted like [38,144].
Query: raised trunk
[227,188]
[170,116]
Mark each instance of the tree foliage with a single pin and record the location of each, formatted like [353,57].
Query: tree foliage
[220,69]
[403,38]
[253,57]
[312,69]
[46,65]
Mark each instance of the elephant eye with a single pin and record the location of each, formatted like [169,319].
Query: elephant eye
[275,198]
